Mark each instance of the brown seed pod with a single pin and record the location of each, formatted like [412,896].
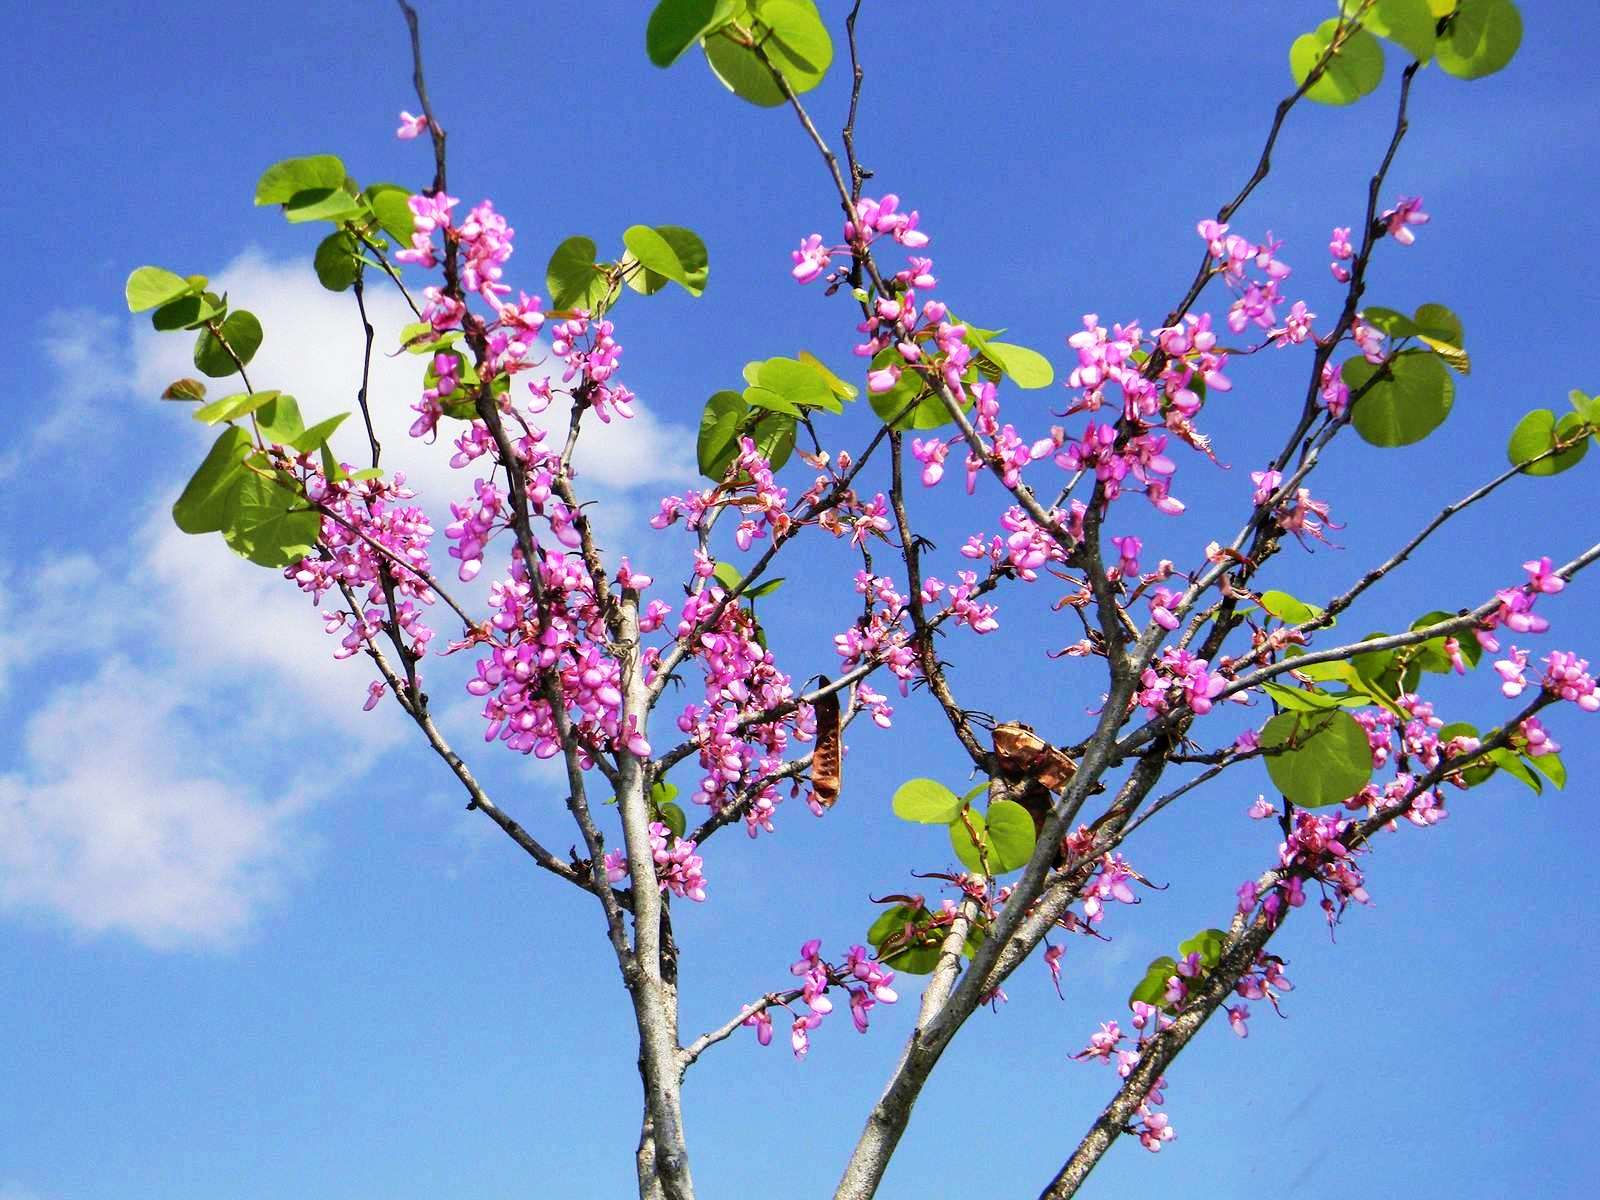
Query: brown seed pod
[1023,754]
[826,759]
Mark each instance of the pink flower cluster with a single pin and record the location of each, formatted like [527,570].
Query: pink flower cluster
[865,981]
[554,637]
[1264,980]
[1112,882]
[736,749]
[1312,850]
[590,354]
[1302,515]
[1106,1045]
[1515,608]
[678,867]
[1178,678]
[1566,676]
[369,528]
[873,219]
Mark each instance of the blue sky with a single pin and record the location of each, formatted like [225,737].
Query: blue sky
[255,946]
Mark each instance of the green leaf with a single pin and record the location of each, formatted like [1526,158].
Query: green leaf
[764,589]
[188,312]
[336,263]
[1550,766]
[675,25]
[668,252]
[282,181]
[241,331]
[1286,608]
[1512,764]
[185,389]
[317,436]
[1328,672]
[365,474]
[151,287]
[1587,407]
[1330,759]
[963,843]
[774,435]
[928,413]
[391,204]
[1207,944]
[279,422]
[323,204]
[1454,356]
[718,443]
[1300,699]
[1011,836]
[640,277]
[1438,322]
[203,506]
[1409,24]
[1440,330]
[797,383]
[841,389]
[914,960]
[727,575]
[231,408]
[1395,324]
[760,397]
[1482,37]
[573,278]
[1430,655]
[890,922]
[1407,405]
[1152,989]
[1538,432]
[269,521]
[1027,368]
[1356,69]
[927,802]
[674,818]
[795,42]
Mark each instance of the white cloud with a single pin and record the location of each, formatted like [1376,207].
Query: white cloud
[121,821]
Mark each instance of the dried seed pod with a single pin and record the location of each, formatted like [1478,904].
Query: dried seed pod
[826,759]
[1023,754]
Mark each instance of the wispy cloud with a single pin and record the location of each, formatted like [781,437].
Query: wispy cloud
[120,821]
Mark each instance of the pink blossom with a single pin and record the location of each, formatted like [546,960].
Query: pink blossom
[410,126]
[1406,212]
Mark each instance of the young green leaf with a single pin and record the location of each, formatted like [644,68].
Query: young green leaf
[927,802]
[269,521]
[151,287]
[1539,431]
[1355,70]
[242,333]
[281,182]
[1405,406]
[1027,368]
[336,262]
[1482,37]
[718,443]
[1320,758]
[231,408]
[675,25]
[1011,836]
[203,505]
